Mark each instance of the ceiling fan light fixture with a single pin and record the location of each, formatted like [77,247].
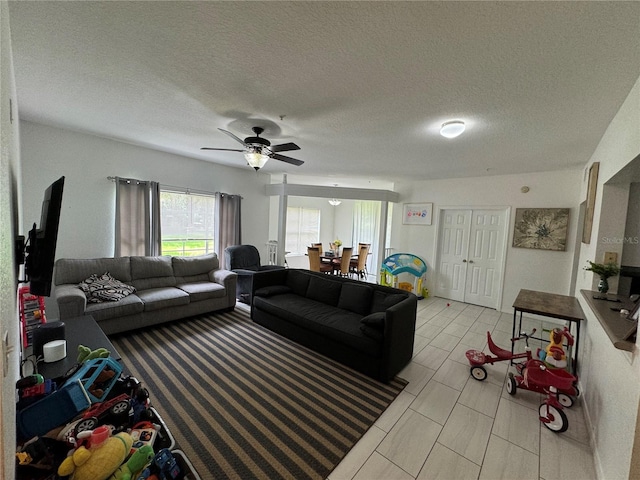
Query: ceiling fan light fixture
[452,129]
[256,160]
[335,202]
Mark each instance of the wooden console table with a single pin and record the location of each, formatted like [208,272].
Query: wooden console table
[551,305]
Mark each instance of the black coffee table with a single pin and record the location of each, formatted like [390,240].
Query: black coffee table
[78,331]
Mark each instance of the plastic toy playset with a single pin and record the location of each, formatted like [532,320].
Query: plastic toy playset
[404,271]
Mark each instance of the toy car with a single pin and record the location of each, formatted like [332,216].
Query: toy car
[95,414]
[164,466]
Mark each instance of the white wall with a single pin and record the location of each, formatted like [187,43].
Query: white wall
[88,207]
[543,270]
[9,224]
[611,378]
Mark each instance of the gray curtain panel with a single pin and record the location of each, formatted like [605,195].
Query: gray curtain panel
[137,218]
[227,228]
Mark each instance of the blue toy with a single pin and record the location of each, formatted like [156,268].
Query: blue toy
[400,263]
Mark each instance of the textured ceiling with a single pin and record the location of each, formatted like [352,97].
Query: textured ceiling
[361,87]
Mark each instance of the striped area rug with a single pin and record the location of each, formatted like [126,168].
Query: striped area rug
[243,402]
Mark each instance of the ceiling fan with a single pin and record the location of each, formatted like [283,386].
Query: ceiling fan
[258,150]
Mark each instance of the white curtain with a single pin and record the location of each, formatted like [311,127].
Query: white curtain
[227,223]
[137,229]
[366,225]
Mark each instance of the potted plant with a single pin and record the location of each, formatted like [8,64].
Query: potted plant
[604,270]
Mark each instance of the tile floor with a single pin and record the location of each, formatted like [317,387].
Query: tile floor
[447,425]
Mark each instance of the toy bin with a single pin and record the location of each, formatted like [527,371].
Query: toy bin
[186,467]
[52,411]
[164,438]
[98,376]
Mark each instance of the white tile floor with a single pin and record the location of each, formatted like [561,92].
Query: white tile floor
[447,425]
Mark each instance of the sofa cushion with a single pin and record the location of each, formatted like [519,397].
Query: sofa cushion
[324,290]
[157,298]
[298,282]
[372,332]
[189,266]
[106,310]
[356,298]
[374,320]
[331,322]
[152,272]
[105,288]
[382,300]
[272,290]
[75,270]
[202,290]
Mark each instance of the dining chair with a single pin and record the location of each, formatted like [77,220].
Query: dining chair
[342,268]
[315,265]
[358,265]
[319,245]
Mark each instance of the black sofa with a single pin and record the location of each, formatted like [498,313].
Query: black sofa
[244,260]
[365,326]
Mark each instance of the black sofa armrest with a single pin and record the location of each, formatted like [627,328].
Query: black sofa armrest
[266,278]
[399,331]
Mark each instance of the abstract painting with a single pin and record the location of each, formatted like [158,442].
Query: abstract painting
[541,228]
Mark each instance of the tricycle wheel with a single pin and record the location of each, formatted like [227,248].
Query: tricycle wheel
[511,384]
[479,373]
[565,400]
[553,418]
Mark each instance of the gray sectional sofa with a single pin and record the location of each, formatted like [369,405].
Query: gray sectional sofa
[365,326]
[167,288]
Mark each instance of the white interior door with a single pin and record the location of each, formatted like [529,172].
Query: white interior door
[453,246]
[471,255]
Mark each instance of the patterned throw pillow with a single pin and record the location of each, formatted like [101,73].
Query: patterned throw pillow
[105,288]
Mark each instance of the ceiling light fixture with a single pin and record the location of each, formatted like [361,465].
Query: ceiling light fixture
[452,129]
[334,201]
[256,160]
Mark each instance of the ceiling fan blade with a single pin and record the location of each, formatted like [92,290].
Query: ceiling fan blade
[283,158]
[284,147]
[237,139]
[223,149]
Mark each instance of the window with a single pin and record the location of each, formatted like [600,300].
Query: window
[303,229]
[187,222]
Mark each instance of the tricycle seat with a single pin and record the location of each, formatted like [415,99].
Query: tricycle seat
[475,357]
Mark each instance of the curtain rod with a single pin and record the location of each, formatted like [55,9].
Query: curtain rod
[128,180]
[186,190]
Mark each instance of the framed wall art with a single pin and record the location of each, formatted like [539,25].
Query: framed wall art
[541,228]
[591,202]
[417,213]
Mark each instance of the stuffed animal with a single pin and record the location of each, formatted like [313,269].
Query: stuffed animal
[101,459]
[135,464]
[554,353]
[85,353]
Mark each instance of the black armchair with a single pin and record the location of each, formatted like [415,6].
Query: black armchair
[245,261]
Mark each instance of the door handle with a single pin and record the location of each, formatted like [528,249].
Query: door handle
[470,261]
[464,261]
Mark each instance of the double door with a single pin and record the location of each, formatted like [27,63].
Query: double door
[471,255]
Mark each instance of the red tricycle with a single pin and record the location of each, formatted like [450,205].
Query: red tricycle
[533,374]
[557,384]
[477,359]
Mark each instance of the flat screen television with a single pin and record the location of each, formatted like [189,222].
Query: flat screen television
[41,245]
